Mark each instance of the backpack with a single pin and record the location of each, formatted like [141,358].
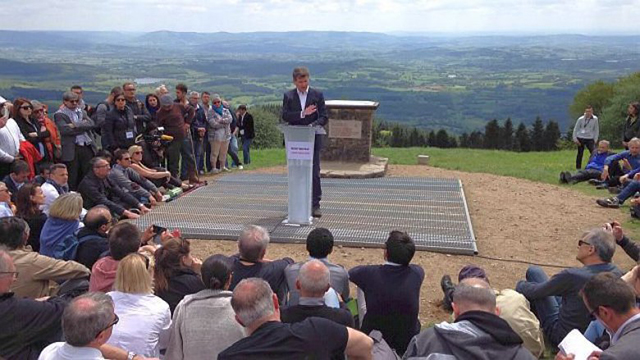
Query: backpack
[67,248]
[94,113]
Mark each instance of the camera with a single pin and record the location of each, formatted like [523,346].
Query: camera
[157,138]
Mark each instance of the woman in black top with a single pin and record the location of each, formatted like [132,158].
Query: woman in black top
[631,124]
[28,201]
[119,128]
[31,129]
[176,272]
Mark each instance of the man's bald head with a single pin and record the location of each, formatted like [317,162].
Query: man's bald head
[473,294]
[97,217]
[313,279]
[252,301]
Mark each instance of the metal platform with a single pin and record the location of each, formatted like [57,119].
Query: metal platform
[359,213]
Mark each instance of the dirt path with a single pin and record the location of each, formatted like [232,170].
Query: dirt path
[513,219]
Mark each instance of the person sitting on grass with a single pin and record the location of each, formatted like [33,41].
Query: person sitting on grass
[622,167]
[594,167]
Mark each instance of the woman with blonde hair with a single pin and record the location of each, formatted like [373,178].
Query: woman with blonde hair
[145,319]
[157,177]
[63,220]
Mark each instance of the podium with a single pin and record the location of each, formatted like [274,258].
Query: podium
[299,142]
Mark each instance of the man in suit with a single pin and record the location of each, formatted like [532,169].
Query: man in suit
[247,132]
[305,106]
[78,145]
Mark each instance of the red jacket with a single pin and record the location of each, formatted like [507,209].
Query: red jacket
[31,155]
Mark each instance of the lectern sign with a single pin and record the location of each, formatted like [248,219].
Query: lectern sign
[345,129]
[298,150]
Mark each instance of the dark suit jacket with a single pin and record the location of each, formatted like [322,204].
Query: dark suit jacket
[247,126]
[96,191]
[291,108]
[11,186]
[68,134]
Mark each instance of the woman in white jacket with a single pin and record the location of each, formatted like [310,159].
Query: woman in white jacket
[219,119]
[195,334]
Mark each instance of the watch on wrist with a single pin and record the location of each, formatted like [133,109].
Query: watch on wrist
[131,355]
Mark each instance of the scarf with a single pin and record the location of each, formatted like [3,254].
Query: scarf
[61,189]
[218,109]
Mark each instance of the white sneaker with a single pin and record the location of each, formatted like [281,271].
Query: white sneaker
[225,169]
[214,171]
[240,167]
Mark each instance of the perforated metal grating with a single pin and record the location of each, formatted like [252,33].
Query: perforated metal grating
[359,213]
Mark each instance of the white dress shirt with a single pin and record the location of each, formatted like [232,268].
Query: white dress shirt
[64,351]
[10,137]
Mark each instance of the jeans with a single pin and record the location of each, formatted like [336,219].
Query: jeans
[246,145]
[233,151]
[629,190]
[584,175]
[547,309]
[590,144]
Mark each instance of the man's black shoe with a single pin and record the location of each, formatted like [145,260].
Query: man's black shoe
[316,213]
[446,283]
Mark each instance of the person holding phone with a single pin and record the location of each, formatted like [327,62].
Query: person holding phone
[10,137]
[305,106]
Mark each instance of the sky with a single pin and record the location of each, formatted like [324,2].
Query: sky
[425,16]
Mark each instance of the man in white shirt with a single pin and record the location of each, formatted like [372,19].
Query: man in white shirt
[5,198]
[87,324]
[10,137]
[55,186]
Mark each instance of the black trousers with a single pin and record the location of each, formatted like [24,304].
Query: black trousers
[316,191]
[80,166]
[590,144]
[615,171]
[584,175]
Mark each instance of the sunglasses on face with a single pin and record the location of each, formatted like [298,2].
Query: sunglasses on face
[582,242]
[137,152]
[26,107]
[120,99]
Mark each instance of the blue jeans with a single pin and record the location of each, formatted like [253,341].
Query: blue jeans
[629,190]
[198,143]
[246,144]
[547,309]
[233,151]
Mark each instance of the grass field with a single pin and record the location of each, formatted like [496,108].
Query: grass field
[541,167]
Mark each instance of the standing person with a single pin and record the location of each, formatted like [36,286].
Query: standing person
[119,128]
[104,107]
[585,133]
[77,89]
[198,129]
[219,133]
[153,104]
[206,161]
[140,113]
[78,146]
[247,132]
[31,129]
[233,138]
[10,137]
[305,106]
[52,143]
[176,119]
[631,124]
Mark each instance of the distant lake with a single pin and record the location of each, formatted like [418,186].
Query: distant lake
[147,81]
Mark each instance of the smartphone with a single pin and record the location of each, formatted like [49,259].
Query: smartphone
[158,230]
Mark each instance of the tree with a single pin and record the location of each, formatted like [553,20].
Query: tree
[414,137]
[431,139]
[597,94]
[464,140]
[551,136]
[537,135]
[507,135]
[442,139]
[492,135]
[476,140]
[266,125]
[523,140]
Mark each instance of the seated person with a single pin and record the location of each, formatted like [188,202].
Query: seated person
[6,209]
[513,306]
[250,261]
[39,274]
[145,319]
[392,292]
[594,167]
[19,176]
[43,173]
[87,324]
[55,186]
[558,317]
[124,239]
[257,309]
[122,176]
[176,273]
[319,246]
[92,238]
[27,325]
[158,176]
[312,283]
[28,202]
[631,185]
[63,221]
[97,189]
[616,174]
[192,328]
[477,332]
[613,303]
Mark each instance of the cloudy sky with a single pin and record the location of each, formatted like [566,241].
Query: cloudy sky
[442,16]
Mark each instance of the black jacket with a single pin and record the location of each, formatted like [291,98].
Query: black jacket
[32,126]
[28,326]
[631,248]
[246,124]
[183,282]
[117,125]
[96,191]
[140,114]
[11,186]
[291,108]
[631,130]
[92,246]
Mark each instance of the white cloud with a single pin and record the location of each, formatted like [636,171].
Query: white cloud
[584,16]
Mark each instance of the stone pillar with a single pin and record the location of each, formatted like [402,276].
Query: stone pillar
[349,131]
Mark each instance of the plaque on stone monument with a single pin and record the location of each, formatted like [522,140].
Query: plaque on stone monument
[345,129]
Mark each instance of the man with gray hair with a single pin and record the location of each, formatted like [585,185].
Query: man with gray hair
[312,283]
[251,262]
[198,130]
[78,145]
[257,310]
[595,251]
[477,332]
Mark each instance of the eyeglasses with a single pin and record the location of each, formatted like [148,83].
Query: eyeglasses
[115,321]
[121,100]
[126,159]
[582,242]
[39,111]
[26,107]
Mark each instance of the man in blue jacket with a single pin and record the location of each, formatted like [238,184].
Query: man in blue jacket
[593,170]
[305,106]
[630,181]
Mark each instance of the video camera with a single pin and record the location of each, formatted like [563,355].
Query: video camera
[157,138]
